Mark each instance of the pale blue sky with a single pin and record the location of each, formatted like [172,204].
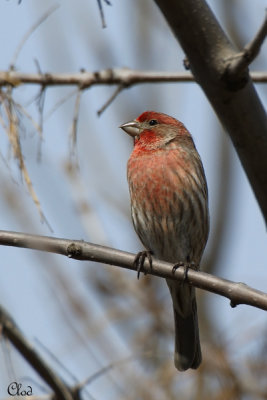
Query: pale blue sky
[70,39]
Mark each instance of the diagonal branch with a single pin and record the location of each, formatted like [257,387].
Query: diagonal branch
[11,110]
[238,293]
[12,332]
[102,12]
[29,33]
[110,100]
[233,98]
[242,60]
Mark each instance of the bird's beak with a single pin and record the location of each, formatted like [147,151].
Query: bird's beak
[132,128]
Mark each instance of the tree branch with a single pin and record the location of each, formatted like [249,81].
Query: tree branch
[12,332]
[242,60]
[233,98]
[117,76]
[238,293]
[29,33]
[102,12]
[110,100]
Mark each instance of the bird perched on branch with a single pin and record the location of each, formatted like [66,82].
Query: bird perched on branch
[169,207]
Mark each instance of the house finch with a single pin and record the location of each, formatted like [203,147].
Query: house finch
[169,206]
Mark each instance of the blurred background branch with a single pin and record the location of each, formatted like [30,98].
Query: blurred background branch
[10,330]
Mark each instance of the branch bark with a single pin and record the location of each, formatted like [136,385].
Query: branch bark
[238,293]
[125,77]
[232,96]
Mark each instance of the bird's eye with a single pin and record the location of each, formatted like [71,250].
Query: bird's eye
[153,122]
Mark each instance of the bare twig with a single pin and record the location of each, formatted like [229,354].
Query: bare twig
[55,359]
[59,103]
[102,371]
[28,34]
[12,332]
[117,76]
[28,116]
[99,2]
[241,61]
[11,109]
[40,100]
[73,133]
[110,100]
[12,129]
[81,385]
[238,293]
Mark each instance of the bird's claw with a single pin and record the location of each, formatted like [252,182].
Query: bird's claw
[140,259]
[187,266]
[177,265]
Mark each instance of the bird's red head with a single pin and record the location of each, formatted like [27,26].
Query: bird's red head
[153,130]
[157,118]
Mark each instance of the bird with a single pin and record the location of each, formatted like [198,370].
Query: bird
[169,209]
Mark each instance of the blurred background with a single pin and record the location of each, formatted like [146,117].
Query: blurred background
[83,317]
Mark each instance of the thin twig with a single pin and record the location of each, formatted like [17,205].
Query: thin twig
[73,132]
[102,372]
[55,359]
[40,101]
[99,2]
[110,100]
[238,293]
[59,103]
[11,109]
[28,116]
[242,60]
[28,34]
[109,367]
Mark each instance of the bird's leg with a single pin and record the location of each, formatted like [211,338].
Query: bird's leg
[190,265]
[177,265]
[140,259]
[187,265]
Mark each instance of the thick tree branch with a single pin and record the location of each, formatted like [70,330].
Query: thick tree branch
[118,76]
[233,98]
[238,293]
[12,332]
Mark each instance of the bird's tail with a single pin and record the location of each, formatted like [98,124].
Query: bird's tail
[187,344]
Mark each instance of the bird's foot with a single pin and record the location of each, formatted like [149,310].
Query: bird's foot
[140,259]
[187,266]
